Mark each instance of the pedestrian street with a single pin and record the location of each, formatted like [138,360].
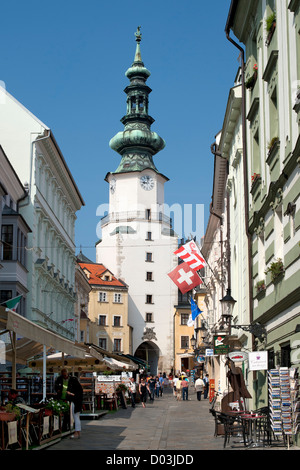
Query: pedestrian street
[166,424]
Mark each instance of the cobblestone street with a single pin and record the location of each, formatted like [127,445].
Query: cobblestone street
[164,425]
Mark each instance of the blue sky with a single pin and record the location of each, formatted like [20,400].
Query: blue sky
[66,62]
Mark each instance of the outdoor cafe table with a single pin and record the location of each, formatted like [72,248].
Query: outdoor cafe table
[253,418]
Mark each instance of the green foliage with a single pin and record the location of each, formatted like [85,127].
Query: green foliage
[260,286]
[57,406]
[269,21]
[10,408]
[276,269]
[272,142]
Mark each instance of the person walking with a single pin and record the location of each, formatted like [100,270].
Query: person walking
[152,385]
[206,385]
[185,389]
[69,389]
[175,380]
[178,388]
[199,387]
[144,390]
[161,381]
[132,391]
[157,387]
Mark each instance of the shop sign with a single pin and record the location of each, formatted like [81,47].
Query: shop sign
[209,352]
[258,360]
[219,346]
[201,359]
[238,356]
[109,378]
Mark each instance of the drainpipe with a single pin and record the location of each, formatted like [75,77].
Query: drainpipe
[31,166]
[245,160]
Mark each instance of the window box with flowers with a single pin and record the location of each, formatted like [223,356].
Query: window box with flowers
[276,269]
[255,182]
[260,286]
[270,27]
[252,80]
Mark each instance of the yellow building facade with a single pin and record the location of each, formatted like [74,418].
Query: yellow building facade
[108,310]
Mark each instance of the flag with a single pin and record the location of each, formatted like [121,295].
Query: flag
[12,304]
[184,277]
[195,311]
[191,255]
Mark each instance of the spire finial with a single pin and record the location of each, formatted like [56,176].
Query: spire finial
[138,34]
[138,38]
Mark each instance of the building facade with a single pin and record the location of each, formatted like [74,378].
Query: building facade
[137,240]
[107,310]
[14,234]
[50,211]
[269,33]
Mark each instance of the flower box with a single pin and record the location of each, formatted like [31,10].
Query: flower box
[7,416]
[276,269]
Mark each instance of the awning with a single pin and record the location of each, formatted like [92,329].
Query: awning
[36,335]
[137,360]
[117,365]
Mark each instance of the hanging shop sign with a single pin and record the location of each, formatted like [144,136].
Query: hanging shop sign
[238,356]
[200,359]
[258,360]
[209,352]
[219,346]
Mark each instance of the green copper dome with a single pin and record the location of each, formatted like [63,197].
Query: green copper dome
[137,143]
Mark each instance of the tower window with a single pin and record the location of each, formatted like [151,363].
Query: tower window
[149,276]
[149,299]
[149,317]
[149,257]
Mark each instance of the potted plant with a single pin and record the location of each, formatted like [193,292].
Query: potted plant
[276,269]
[252,80]
[255,177]
[121,388]
[56,407]
[272,143]
[270,27]
[260,286]
[10,413]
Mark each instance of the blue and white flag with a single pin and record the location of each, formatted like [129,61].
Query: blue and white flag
[195,311]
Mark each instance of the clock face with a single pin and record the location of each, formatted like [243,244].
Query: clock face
[147,182]
[112,185]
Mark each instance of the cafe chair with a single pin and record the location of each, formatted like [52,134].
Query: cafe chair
[235,426]
[219,422]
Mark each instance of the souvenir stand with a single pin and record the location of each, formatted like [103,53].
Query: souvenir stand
[284,402]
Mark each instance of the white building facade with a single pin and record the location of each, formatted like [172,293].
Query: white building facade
[138,242]
[50,211]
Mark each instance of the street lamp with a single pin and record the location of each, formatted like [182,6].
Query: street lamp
[227,303]
[193,342]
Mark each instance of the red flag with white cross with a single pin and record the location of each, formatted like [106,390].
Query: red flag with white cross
[184,277]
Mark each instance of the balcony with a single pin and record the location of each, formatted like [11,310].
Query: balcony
[131,216]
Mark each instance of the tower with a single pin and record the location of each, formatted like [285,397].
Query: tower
[138,242]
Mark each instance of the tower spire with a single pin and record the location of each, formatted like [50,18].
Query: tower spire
[138,38]
[137,143]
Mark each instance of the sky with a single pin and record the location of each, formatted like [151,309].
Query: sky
[65,61]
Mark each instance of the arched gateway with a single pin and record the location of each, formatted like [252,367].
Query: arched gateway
[149,352]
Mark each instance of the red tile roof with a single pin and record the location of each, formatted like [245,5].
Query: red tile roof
[97,271]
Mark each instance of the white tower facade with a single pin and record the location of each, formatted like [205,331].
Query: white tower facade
[138,241]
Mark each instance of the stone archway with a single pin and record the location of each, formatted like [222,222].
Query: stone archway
[149,352]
